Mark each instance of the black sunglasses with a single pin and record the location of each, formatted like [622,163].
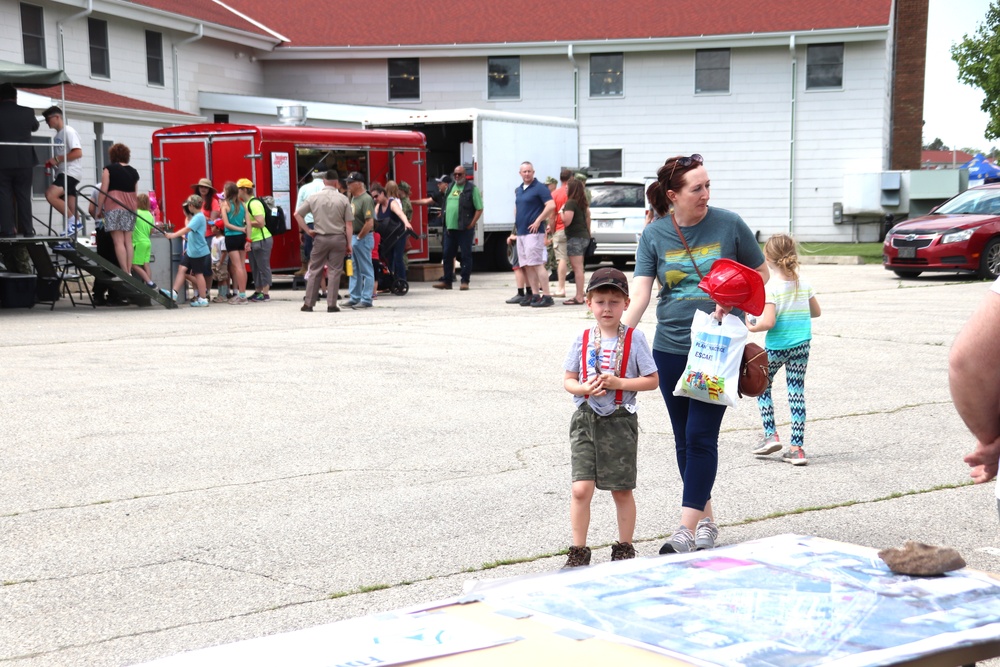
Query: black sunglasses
[685,162]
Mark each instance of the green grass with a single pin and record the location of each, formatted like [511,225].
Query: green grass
[870,252]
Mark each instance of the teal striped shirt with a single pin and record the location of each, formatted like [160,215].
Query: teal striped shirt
[793,324]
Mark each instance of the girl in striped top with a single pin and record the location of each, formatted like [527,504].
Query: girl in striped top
[789,308]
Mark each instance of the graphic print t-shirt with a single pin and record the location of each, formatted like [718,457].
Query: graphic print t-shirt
[640,363]
[661,255]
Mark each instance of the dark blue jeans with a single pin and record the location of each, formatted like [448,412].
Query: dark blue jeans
[696,427]
[455,240]
[398,264]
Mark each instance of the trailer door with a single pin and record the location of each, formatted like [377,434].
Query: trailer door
[409,166]
[233,159]
[180,162]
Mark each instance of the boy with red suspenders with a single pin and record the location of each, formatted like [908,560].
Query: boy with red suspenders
[605,367]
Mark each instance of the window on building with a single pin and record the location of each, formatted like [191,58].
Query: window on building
[504,78]
[220,118]
[33,35]
[825,66]
[711,71]
[100,57]
[39,180]
[404,78]
[154,58]
[606,162]
[606,74]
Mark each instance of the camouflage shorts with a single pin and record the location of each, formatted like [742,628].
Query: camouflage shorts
[604,449]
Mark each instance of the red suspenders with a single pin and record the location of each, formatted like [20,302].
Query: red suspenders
[625,352]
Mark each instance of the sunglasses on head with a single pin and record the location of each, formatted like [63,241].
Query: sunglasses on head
[685,162]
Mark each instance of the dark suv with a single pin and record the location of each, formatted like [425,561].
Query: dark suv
[961,235]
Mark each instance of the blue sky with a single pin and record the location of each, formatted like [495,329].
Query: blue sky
[951,109]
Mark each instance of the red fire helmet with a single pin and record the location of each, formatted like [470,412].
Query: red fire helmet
[730,283]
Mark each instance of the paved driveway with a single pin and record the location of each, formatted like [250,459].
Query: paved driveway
[171,480]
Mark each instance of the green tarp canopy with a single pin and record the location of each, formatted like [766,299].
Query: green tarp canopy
[31,76]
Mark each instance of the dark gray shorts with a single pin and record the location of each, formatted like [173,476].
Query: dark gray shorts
[604,449]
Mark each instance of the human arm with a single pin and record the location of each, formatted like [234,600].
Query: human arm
[567,216]
[477,202]
[179,233]
[397,208]
[766,320]
[255,219]
[546,213]
[643,383]
[302,224]
[95,210]
[814,310]
[426,201]
[642,289]
[974,379]
[592,387]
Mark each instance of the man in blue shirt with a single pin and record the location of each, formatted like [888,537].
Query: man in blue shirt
[533,205]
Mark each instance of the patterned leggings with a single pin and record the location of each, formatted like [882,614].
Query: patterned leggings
[795,360]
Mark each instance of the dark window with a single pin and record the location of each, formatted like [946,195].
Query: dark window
[404,78]
[711,71]
[825,66]
[617,195]
[100,58]
[504,80]
[33,35]
[154,58]
[220,118]
[606,74]
[101,157]
[39,181]
[606,162]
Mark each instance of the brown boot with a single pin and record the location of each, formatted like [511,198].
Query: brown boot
[302,271]
[578,557]
[622,551]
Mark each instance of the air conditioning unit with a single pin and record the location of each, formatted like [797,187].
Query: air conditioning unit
[292,114]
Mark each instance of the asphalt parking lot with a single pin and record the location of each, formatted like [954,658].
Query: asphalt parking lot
[171,480]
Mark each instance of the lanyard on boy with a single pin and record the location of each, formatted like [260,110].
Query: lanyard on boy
[622,348]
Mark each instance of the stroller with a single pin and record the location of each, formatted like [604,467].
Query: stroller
[390,233]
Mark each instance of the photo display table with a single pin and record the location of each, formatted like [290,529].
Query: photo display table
[789,600]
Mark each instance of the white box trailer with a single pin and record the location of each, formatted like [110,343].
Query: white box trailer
[491,145]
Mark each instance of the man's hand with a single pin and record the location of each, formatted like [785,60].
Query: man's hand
[984,461]
[533,227]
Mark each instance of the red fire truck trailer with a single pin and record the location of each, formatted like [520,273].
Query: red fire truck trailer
[274,157]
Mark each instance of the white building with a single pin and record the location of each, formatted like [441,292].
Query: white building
[782,101]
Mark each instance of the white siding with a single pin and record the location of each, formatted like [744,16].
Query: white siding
[204,64]
[744,135]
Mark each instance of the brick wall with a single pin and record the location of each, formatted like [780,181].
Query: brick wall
[910,42]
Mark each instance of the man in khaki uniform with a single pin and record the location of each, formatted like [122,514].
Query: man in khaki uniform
[331,234]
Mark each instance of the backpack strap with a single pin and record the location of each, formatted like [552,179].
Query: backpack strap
[583,361]
[625,352]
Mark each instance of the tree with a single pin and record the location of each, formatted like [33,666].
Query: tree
[978,60]
[936,145]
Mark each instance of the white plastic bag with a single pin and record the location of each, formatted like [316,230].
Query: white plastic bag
[713,364]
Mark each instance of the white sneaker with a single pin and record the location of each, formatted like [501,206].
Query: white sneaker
[199,303]
[169,293]
[73,226]
[768,445]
